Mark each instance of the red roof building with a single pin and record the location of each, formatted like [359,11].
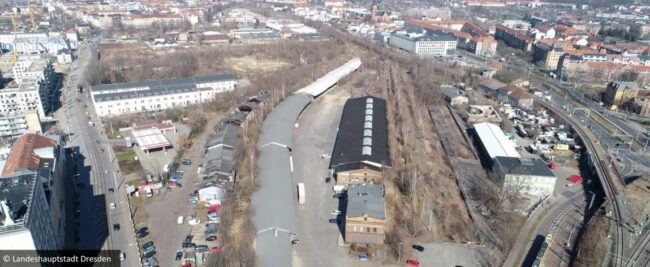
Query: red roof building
[22,155]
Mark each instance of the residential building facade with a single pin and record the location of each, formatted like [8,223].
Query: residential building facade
[125,98]
[33,88]
[13,125]
[513,38]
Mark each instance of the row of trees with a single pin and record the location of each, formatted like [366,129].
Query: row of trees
[630,35]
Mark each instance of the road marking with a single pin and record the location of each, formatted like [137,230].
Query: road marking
[274,143]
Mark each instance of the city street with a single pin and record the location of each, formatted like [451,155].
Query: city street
[97,171]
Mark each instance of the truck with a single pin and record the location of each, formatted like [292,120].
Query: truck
[301,193]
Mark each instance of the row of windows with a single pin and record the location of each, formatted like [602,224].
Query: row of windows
[144,108]
[364,229]
[179,100]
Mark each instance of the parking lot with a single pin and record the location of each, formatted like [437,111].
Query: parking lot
[166,205]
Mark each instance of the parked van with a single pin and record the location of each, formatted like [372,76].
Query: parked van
[180,220]
[149,192]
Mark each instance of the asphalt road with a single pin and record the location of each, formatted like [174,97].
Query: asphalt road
[97,219]
[315,135]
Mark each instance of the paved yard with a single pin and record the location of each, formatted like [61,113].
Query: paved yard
[447,254]
[315,135]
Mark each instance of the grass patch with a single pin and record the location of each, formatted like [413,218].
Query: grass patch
[115,136]
[126,160]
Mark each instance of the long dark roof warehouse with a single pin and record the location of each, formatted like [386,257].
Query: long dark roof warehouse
[361,149]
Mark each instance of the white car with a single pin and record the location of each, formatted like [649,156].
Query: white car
[336,213]
[112,205]
[122,256]
[325,156]
[194,222]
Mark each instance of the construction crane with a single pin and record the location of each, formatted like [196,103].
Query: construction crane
[13,49]
[31,16]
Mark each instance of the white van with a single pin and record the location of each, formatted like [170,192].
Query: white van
[180,220]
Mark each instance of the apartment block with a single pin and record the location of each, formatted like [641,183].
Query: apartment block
[125,98]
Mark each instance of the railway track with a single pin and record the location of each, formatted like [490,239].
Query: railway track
[639,252]
[605,175]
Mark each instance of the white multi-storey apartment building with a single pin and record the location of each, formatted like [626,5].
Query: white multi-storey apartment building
[15,124]
[124,98]
[41,45]
[32,89]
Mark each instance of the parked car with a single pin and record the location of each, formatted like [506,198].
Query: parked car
[116,226]
[194,222]
[179,255]
[334,221]
[413,262]
[418,248]
[187,162]
[142,229]
[149,254]
[149,249]
[112,205]
[151,261]
[336,213]
[189,245]
[111,190]
[122,256]
[211,238]
[295,242]
[141,235]
[147,244]
[216,249]
[188,238]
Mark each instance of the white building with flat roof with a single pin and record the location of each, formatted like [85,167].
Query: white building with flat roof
[125,98]
[494,141]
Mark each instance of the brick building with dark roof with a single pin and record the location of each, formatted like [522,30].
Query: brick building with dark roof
[361,148]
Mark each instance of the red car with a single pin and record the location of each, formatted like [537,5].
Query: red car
[552,165]
[413,262]
[216,249]
[101,149]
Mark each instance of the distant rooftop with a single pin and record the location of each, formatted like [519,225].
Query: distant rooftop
[524,166]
